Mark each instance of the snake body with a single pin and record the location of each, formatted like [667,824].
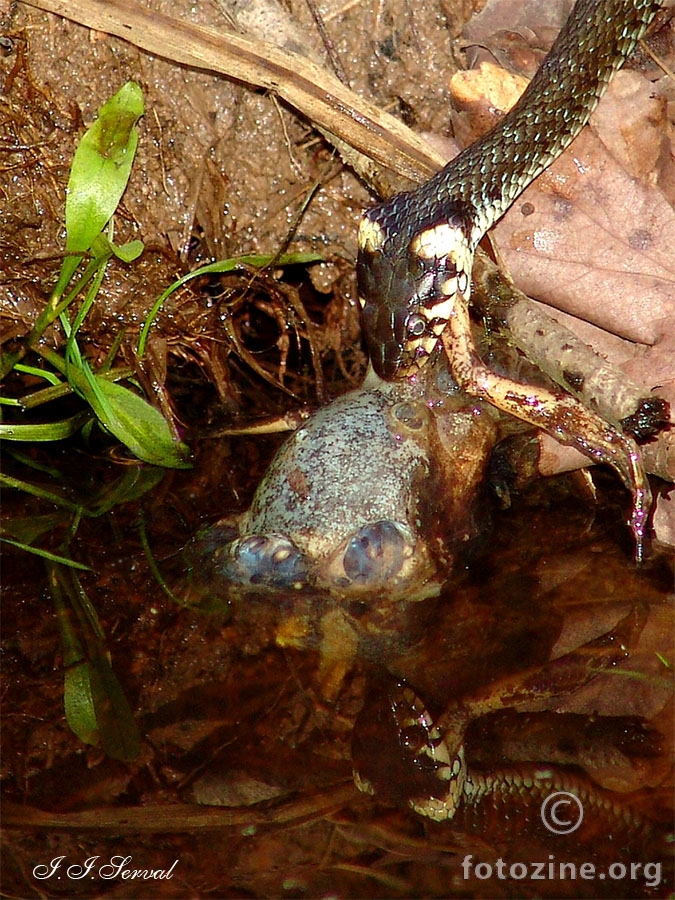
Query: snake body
[416,250]
[401,755]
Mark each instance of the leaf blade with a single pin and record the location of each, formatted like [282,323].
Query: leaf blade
[101,167]
[133,421]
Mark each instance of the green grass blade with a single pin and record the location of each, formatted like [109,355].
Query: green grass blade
[225,265]
[46,554]
[38,373]
[50,431]
[37,491]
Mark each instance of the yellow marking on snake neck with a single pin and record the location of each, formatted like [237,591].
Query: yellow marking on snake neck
[436,242]
[371,235]
[441,310]
[463,283]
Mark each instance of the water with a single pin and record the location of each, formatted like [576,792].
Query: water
[226,715]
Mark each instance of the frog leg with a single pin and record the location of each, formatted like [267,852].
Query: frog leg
[559,414]
[559,677]
[262,560]
[426,765]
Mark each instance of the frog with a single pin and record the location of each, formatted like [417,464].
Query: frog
[373,497]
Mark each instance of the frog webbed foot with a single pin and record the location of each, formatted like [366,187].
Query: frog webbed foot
[383,556]
[376,553]
[265,560]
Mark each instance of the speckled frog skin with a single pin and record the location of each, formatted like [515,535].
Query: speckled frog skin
[367,498]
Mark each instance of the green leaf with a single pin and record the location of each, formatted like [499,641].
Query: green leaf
[77,696]
[95,705]
[79,703]
[28,529]
[133,484]
[101,167]
[97,710]
[132,420]
[128,252]
[117,727]
[46,554]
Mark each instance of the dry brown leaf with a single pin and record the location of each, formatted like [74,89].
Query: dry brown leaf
[592,238]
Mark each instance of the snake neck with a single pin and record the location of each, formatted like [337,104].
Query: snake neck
[490,174]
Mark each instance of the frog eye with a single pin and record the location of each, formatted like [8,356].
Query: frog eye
[415,325]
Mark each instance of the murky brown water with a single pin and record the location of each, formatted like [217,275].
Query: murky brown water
[227,717]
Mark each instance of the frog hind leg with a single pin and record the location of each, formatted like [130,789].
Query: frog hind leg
[265,560]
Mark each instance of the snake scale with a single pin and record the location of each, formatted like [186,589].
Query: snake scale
[416,254]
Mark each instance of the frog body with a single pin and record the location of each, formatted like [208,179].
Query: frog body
[367,497]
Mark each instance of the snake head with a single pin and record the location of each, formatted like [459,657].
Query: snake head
[410,268]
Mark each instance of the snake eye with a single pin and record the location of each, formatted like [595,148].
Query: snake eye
[415,325]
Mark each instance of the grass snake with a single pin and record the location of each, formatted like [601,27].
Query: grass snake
[414,276]
[416,249]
